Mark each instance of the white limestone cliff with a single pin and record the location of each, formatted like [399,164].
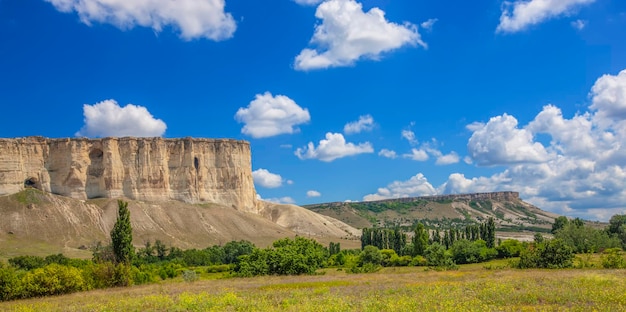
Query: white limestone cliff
[191,170]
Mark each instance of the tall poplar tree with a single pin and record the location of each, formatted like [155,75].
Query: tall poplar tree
[122,235]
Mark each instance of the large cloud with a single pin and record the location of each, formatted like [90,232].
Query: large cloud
[501,142]
[521,14]
[347,34]
[269,115]
[264,178]
[107,118]
[609,96]
[333,147]
[193,18]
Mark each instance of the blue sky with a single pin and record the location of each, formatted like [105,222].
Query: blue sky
[342,99]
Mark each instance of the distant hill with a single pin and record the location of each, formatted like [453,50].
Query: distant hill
[510,212]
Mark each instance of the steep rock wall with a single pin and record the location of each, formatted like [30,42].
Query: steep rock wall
[151,169]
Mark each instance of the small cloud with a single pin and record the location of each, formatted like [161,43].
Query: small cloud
[409,136]
[467,160]
[365,123]
[281,200]
[313,193]
[108,119]
[417,155]
[268,116]
[579,24]
[448,159]
[287,146]
[333,147]
[289,182]
[417,185]
[521,14]
[428,25]
[307,2]
[264,178]
[387,153]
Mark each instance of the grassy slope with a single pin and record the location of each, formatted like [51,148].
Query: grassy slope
[510,216]
[472,288]
[37,223]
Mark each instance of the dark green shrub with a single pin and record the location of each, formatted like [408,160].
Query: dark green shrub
[27,262]
[509,248]
[551,254]
[613,258]
[218,268]
[437,257]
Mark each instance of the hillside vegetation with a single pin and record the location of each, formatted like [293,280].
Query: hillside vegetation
[510,213]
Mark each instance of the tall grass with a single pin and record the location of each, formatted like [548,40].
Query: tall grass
[472,288]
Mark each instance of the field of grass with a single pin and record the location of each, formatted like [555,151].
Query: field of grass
[479,287]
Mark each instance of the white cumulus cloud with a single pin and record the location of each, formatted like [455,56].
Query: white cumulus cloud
[417,185]
[365,123]
[333,147]
[500,142]
[387,153]
[264,178]
[192,18]
[269,115]
[521,14]
[313,193]
[417,155]
[609,96]
[409,136]
[348,34]
[108,119]
[447,159]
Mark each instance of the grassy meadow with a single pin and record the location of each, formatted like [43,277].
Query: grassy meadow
[477,287]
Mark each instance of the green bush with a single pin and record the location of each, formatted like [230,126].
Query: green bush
[53,279]
[9,283]
[551,254]
[613,258]
[28,262]
[509,248]
[218,268]
[418,261]
[190,276]
[437,257]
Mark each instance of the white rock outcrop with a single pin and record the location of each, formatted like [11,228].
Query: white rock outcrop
[191,170]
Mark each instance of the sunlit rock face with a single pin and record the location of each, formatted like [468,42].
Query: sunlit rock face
[191,170]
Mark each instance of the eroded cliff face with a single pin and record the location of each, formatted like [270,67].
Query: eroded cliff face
[152,169]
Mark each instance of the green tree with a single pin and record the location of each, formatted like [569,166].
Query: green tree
[490,229]
[559,223]
[122,235]
[420,240]
[586,238]
[617,227]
